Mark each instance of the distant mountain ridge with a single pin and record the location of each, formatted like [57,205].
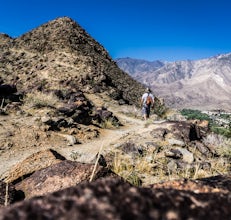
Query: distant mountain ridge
[135,66]
[201,84]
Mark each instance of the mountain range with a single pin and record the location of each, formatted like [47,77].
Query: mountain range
[201,84]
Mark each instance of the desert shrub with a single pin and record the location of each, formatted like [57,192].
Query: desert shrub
[219,166]
[134,179]
[39,99]
[75,155]
[221,130]
[213,139]
[108,123]
[224,150]
[123,166]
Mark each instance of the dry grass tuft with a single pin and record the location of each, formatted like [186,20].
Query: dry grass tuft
[107,124]
[153,166]
[39,100]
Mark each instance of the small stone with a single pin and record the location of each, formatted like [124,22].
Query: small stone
[149,159]
[71,139]
[45,119]
[173,153]
[172,166]
[176,142]
[187,156]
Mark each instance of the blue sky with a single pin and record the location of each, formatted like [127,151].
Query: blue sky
[144,29]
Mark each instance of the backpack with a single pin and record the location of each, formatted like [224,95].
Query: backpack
[149,100]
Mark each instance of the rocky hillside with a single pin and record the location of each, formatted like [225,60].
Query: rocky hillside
[202,84]
[60,55]
[74,145]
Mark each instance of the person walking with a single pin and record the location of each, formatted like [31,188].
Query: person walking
[147,101]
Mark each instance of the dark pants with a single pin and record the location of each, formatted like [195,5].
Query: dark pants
[146,110]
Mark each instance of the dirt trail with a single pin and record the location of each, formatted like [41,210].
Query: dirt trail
[27,144]
[107,139]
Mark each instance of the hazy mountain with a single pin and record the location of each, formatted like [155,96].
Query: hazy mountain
[136,67]
[60,54]
[201,84]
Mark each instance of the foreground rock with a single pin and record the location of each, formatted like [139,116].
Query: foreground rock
[112,198]
[59,176]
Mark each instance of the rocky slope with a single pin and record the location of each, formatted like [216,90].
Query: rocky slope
[202,84]
[48,77]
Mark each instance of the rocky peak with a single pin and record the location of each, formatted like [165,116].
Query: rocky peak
[61,34]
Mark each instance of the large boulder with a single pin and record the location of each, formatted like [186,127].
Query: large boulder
[59,176]
[187,131]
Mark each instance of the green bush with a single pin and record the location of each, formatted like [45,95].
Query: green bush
[195,114]
[220,130]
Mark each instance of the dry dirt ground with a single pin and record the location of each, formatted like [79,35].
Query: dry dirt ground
[23,136]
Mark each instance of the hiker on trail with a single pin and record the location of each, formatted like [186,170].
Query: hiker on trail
[147,101]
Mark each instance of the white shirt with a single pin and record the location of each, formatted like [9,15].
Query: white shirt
[145,95]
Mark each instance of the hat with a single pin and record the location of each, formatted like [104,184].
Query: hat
[148,90]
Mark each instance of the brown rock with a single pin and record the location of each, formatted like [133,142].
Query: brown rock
[59,176]
[180,132]
[187,131]
[204,150]
[33,163]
